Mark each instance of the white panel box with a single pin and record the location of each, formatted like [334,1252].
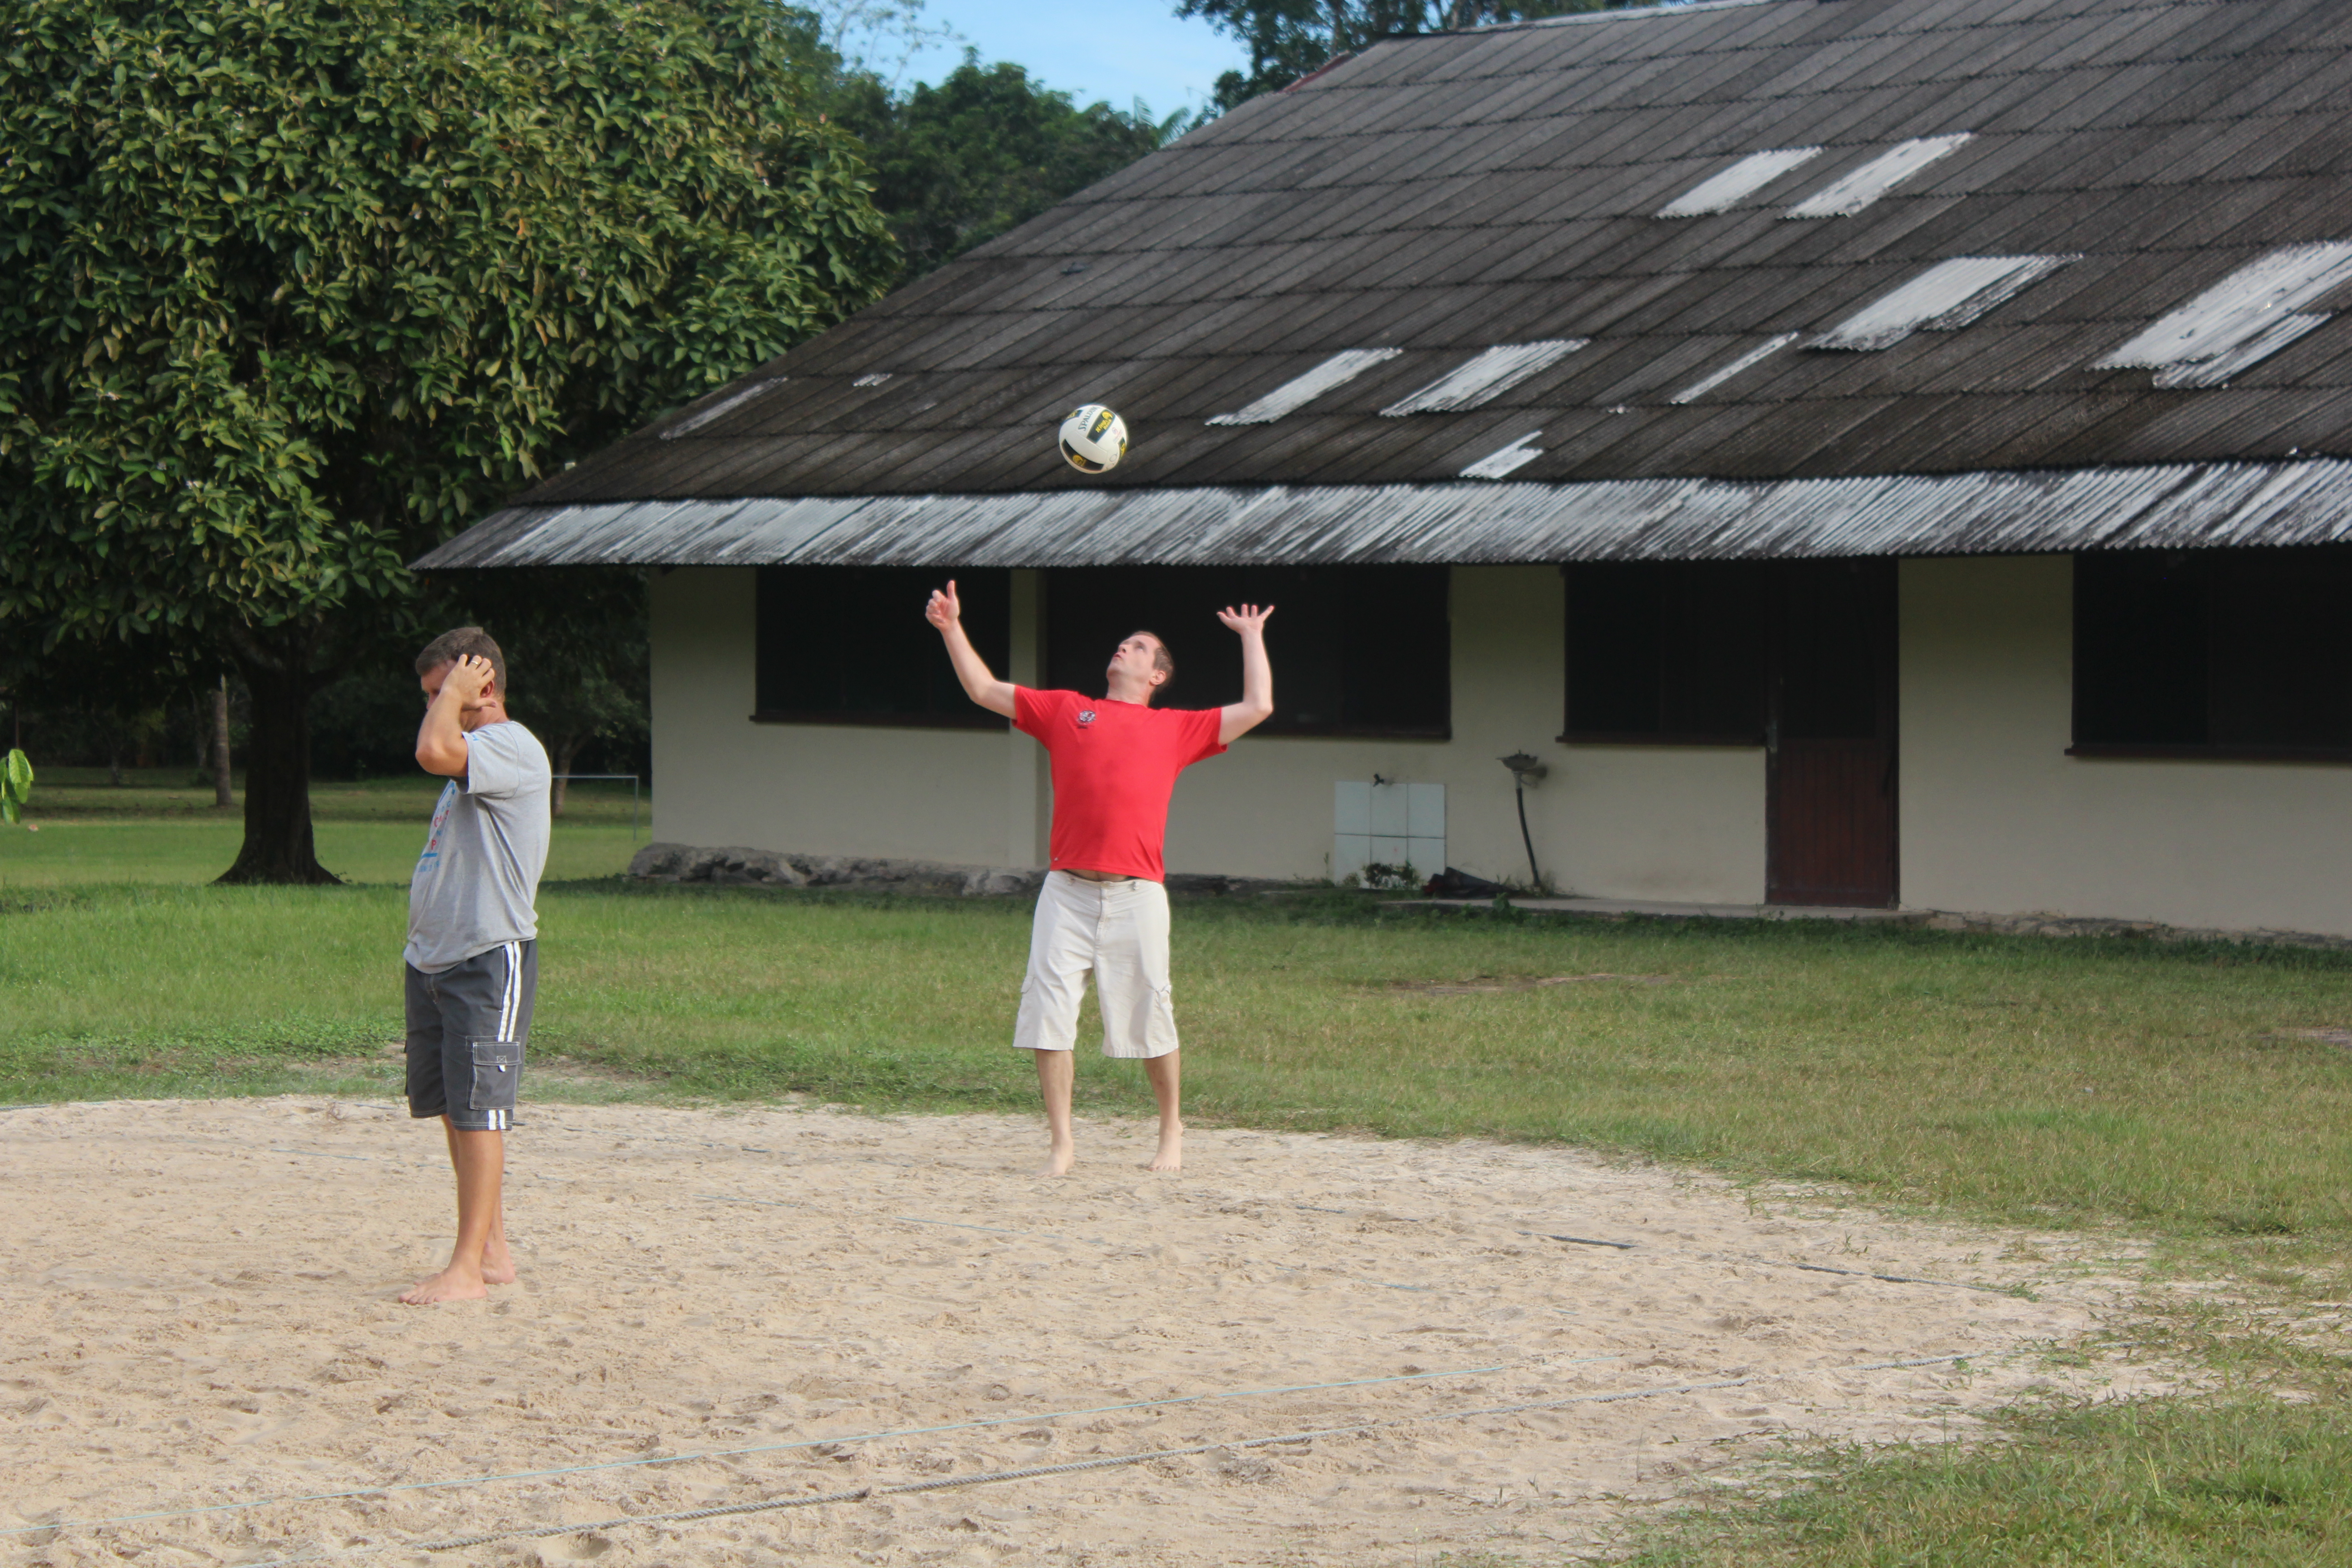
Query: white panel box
[1351,806]
[1349,853]
[1389,824]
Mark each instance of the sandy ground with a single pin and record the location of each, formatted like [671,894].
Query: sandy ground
[199,1312]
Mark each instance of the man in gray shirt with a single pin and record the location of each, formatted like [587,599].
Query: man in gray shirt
[473,949]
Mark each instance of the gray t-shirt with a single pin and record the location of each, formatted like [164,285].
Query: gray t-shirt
[474,884]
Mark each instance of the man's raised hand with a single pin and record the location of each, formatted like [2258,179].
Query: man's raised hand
[1247,619]
[469,678]
[945,609]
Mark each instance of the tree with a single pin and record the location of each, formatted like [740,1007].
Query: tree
[984,151]
[576,641]
[293,287]
[1289,38]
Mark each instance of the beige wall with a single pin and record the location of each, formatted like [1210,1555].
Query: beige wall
[1996,817]
[1620,821]
[932,795]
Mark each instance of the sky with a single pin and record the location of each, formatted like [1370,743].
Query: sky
[1117,50]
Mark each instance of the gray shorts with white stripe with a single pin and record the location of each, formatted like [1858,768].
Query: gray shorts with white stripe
[466,1026]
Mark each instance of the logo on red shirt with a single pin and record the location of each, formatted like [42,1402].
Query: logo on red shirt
[1085,715]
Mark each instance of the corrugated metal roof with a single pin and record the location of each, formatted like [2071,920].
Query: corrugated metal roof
[1255,297]
[2169,506]
[1859,188]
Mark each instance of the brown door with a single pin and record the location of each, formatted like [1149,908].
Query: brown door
[1830,735]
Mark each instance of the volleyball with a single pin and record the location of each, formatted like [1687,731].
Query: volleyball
[1094,439]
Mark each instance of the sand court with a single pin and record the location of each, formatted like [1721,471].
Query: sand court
[1339,1350]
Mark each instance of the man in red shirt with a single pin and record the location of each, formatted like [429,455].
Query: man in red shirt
[1104,907]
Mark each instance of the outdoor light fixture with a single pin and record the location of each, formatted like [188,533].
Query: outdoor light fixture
[1526,770]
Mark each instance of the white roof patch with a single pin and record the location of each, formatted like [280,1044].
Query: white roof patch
[1752,173]
[1876,178]
[1755,356]
[1506,462]
[1297,392]
[1486,376]
[1948,295]
[2248,316]
[694,422]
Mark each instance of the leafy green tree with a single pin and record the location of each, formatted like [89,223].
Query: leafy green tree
[1289,38]
[293,287]
[985,150]
[578,661]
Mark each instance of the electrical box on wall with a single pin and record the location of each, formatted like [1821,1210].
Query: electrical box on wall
[1388,823]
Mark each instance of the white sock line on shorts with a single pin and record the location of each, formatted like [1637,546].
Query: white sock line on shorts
[1535,1365]
[862,1494]
[506,1002]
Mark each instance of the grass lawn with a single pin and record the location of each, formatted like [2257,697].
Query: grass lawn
[161,828]
[2083,1083]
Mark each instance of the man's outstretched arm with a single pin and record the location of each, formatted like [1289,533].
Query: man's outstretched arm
[1256,705]
[946,611]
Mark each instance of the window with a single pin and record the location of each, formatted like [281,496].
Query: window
[849,645]
[1357,650]
[1667,652]
[2236,652]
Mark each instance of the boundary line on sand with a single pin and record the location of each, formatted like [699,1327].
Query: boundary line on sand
[1109,1461]
[802,1443]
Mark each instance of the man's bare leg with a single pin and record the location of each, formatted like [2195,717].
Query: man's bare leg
[1057,1071]
[479,1159]
[1165,1078]
[498,1263]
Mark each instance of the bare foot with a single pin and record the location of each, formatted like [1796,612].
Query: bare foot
[449,1285]
[1171,1149]
[1059,1160]
[497,1265]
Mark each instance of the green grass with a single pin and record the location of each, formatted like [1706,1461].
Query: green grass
[2238,1476]
[2020,1078]
[161,828]
[2081,1083]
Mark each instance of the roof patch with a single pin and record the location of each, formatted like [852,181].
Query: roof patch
[1486,376]
[1876,178]
[1755,356]
[1752,173]
[694,422]
[2248,316]
[872,378]
[1299,391]
[1508,460]
[1948,295]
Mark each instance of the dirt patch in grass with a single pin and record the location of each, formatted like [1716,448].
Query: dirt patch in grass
[1483,983]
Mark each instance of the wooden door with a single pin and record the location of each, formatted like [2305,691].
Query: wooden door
[1830,735]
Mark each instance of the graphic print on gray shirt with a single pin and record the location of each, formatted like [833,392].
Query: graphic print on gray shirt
[478,880]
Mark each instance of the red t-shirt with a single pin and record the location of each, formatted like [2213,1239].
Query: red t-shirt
[1115,765]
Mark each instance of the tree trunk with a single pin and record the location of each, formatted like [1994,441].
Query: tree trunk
[277,841]
[566,748]
[114,763]
[221,795]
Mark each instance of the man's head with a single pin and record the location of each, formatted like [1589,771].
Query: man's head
[441,656]
[1140,668]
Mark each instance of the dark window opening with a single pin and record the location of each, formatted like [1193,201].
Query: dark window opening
[1357,650]
[2213,653]
[1667,652]
[849,645]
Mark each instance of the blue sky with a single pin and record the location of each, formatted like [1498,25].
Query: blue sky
[1117,50]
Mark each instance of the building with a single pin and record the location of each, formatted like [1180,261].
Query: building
[1871,451]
